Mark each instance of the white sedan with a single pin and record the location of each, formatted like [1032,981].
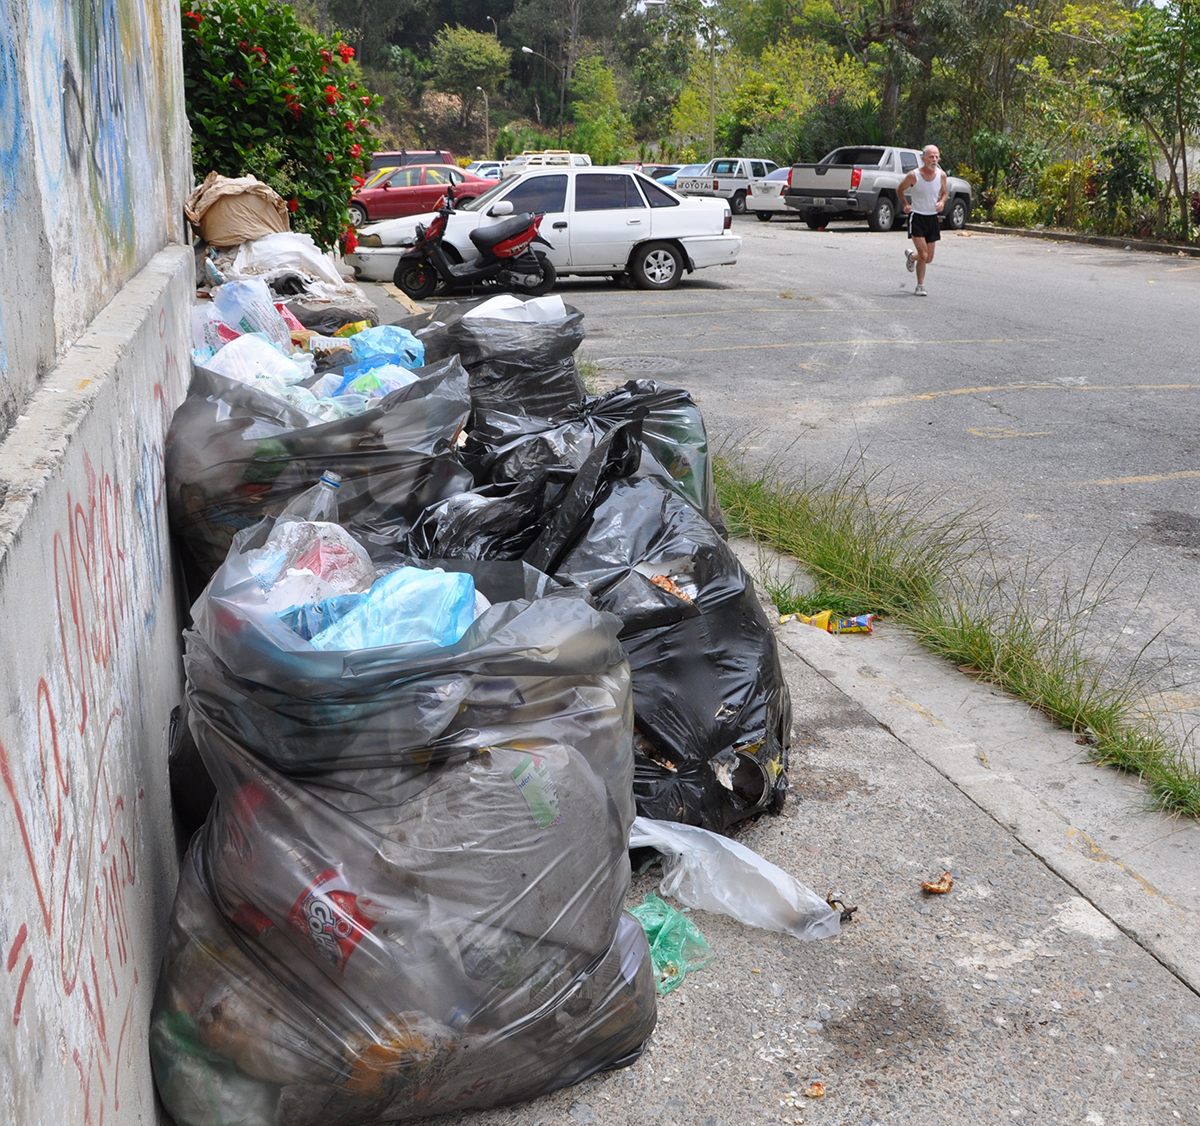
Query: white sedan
[764,196]
[598,221]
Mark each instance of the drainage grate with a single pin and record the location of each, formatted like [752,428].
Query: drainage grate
[639,363]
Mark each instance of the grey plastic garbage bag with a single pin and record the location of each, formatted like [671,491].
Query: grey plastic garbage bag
[235,454]
[408,895]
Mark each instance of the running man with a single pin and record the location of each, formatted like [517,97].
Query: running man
[928,187]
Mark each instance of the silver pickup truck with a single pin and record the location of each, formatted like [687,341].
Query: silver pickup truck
[727,177]
[860,183]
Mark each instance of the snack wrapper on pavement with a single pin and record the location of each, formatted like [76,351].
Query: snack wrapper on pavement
[407,898]
[235,453]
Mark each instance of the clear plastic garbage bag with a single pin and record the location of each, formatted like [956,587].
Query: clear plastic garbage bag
[235,454]
[407,898]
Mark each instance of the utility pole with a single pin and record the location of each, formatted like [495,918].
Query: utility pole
[487,114]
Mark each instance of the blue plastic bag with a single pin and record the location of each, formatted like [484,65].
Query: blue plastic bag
[388,340]
[409,606]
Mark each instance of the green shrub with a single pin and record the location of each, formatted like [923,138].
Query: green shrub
[1016,212]
[268,97]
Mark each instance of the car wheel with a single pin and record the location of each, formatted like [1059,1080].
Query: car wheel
[358,215]
[815,224]
[657,265]
[417,278]
[763,216]
[534,285]
[956,217]
[738,204]
[884,215]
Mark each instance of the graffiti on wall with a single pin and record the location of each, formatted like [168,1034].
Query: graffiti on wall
[78,958]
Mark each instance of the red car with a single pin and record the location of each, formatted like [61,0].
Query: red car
[413,191]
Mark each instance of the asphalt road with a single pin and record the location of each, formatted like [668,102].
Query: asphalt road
[1054,384]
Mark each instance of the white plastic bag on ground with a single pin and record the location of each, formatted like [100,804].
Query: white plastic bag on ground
[247,305]
[288,250]
[253,357]
[713,873]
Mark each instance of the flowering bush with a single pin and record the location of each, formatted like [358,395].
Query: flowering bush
[268,97]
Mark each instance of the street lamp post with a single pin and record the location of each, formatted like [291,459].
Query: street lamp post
[562,88]
[712,64]
[487,113]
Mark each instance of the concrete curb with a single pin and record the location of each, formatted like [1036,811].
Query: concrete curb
[1160,927]
[1091,240]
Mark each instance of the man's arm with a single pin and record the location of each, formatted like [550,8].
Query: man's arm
[905,184]
[944,192]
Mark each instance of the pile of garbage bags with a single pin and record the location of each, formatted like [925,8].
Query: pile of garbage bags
[407,897]
[456,621]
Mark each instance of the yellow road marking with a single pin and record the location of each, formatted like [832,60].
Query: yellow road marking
[1000,432]
[831,343]
[925,396]
[1094,852]
[1148,479]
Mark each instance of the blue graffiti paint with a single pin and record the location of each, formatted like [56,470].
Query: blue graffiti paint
[12,119]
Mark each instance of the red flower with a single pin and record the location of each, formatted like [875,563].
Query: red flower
[349,241]
[260,52]
[356,151]
[331,95]
[353,85]
[363,124]
[347,53]
[244,46]
[324,69]
[349,126]
[293,205]
[329,157]
[326,56]
[358,180]
[238,84]
[293,70]
[366,101]
[193,16]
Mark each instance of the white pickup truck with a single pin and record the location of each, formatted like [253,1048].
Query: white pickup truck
[727,177]
[861,183]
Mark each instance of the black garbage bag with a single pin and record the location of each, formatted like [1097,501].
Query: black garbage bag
[522,367]
[326,317]
[235,454]
[408,896]
[504,446]
[711,706]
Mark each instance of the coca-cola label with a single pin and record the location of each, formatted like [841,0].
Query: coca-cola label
[327,915]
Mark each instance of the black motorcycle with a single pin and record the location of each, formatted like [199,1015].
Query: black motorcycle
[506,259]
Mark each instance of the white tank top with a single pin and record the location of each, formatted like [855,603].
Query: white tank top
[924,193]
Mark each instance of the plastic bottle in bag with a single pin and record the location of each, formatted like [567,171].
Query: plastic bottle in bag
[318,503]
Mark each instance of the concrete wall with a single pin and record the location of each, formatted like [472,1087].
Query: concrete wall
[95,295]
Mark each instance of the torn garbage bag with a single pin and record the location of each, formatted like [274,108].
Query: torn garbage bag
[712,710]
[236,453]
[713,873]
[519,365]
[407,898]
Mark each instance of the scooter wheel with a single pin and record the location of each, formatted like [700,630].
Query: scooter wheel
[418,279]
[536,284]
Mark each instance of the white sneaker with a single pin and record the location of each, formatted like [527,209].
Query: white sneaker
[910,261]
[920,291]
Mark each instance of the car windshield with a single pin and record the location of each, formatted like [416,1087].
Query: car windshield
[691,169]
[482,201]
[778,174]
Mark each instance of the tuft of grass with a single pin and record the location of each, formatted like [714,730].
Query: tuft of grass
[937,574]
[589,372]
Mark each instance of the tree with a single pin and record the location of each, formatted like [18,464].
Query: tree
[462,60]
[266,96]
[602,129]
[1160,87]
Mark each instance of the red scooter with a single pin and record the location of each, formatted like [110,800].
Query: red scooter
[506,258]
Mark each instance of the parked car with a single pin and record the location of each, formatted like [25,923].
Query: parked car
[413,191]
[393,158]
[488,169]
[728,178]
[764,196]
[860,182]
[598,220]
[658,171]
[546,158]
[671,178]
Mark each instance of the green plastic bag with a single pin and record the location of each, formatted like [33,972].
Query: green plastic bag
[676,946]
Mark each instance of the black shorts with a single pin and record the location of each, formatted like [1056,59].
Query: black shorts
[928,227]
